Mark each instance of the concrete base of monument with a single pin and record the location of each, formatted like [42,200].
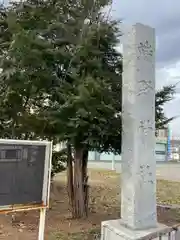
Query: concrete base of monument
[115,230]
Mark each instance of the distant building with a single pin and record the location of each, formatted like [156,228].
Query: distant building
[175,149]
[160,150]
[161,145]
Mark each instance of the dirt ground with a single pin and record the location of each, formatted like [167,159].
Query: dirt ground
[104,205]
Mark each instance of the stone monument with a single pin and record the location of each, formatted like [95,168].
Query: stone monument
[138,183]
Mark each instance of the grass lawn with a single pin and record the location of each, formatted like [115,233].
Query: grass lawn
[104,205]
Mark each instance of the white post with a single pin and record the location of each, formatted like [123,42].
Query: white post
[113,162]
[42,220]
[138,174]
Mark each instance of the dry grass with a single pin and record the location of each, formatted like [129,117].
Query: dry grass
[168,192]
[104,205]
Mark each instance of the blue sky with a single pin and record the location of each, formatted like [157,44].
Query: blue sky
[164,16]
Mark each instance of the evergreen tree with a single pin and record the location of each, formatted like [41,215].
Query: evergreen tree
[61,80]
[163,96]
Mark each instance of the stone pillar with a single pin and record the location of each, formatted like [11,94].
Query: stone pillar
[138,197]
[138,184]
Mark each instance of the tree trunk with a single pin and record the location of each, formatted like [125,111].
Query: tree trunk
[79,203]
[70,187]
[77,182]
[85,180]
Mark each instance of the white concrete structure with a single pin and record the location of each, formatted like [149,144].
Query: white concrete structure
[116,231]
[138,197]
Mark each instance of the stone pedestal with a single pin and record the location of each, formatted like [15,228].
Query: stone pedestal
[115,230]
[138,177]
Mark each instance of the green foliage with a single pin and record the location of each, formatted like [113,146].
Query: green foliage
[61,75]
[59,160]
[163,96]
